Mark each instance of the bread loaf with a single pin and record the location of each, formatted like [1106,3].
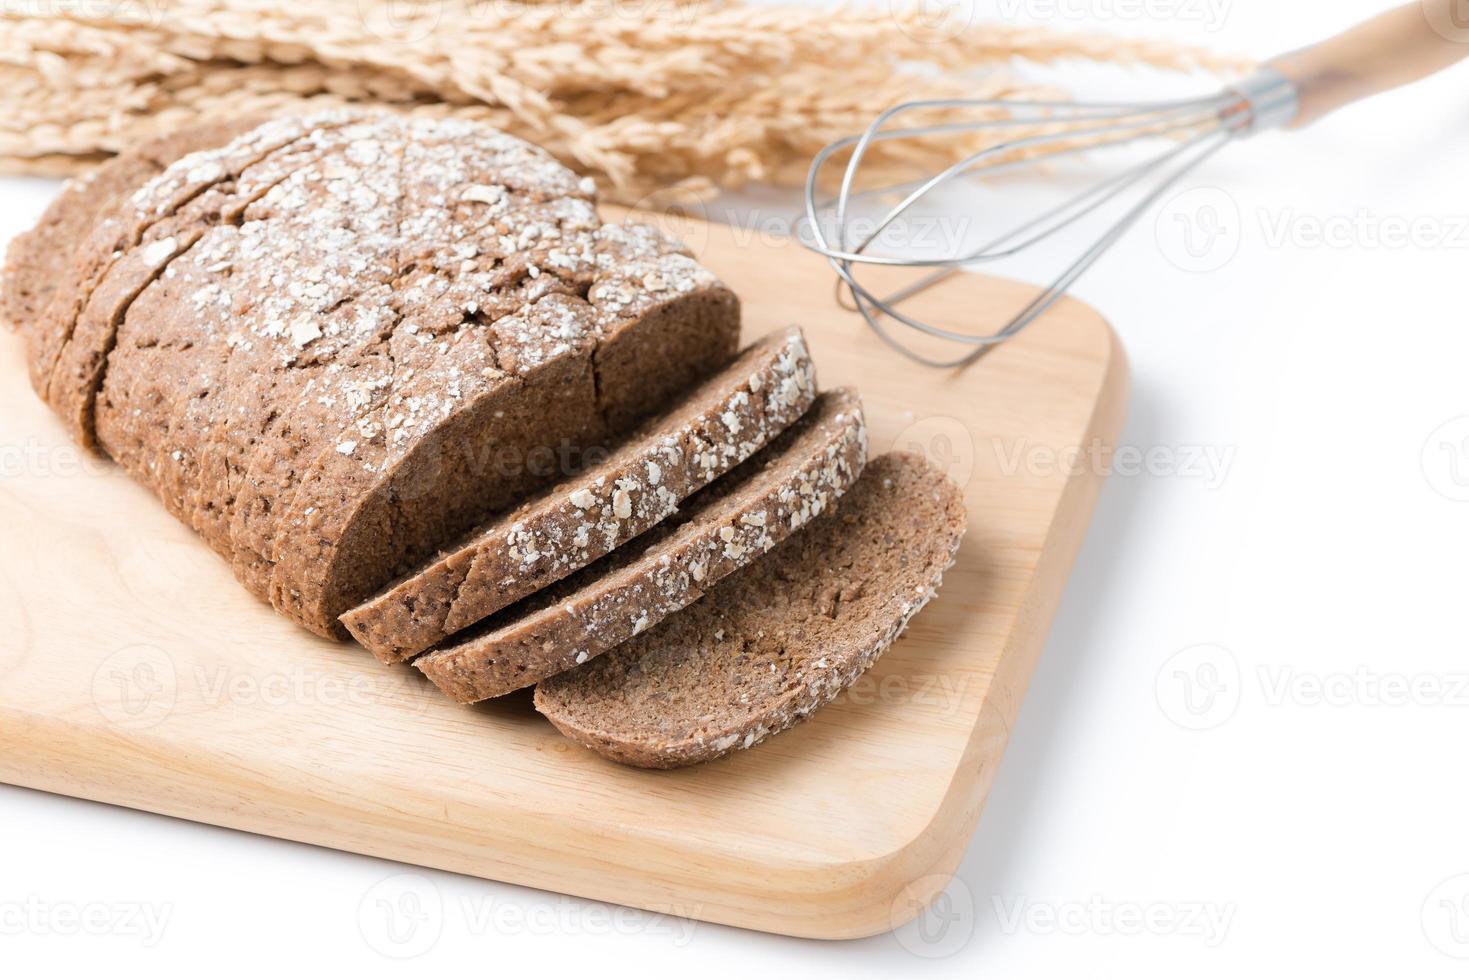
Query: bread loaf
[331,344]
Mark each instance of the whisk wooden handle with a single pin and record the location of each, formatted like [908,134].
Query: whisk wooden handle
[1393,49]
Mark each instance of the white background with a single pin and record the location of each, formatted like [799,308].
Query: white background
[1311,816]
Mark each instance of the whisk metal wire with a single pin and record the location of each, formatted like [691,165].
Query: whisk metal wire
[1194,128]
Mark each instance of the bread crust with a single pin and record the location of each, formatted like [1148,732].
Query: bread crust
[36,260]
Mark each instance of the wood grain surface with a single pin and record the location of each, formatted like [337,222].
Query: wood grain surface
[139,673]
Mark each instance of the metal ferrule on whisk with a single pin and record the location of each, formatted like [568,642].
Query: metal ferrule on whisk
[1266,100]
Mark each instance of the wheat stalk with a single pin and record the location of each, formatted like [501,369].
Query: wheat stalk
[657,99]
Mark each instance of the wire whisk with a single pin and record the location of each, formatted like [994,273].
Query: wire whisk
[1288,92]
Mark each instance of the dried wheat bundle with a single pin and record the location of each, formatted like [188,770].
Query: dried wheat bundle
[656,98]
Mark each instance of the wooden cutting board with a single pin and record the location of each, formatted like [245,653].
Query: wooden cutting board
[137,672]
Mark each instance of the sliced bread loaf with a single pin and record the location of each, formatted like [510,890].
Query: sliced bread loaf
[717,426]
[727,526]
[333,343]
[774,641]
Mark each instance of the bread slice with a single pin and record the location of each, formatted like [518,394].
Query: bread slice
[727,526]
[777,640]
[133,246]
[715,427]
[34,264]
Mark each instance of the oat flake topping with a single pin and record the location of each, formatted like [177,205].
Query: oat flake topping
[399,266]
